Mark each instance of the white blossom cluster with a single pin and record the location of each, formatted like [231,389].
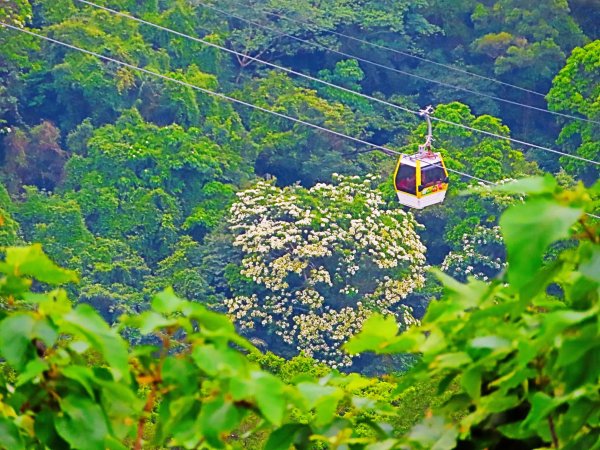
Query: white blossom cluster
[322,260]
[481,255]
[501,199]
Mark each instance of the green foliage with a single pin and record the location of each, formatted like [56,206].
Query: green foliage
[54,12]
[15,12]
[447,225]
[513,367]
[181,270]
[293,152]
[525,361]
[346,73]
[78,385]
[139,182]
[530,41]
[480,254]
[574,91]
[215,198]
[128,180]
[485,157]
[372,16]
[587,14]
[9,228]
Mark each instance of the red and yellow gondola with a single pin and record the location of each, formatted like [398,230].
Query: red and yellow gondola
[421,179]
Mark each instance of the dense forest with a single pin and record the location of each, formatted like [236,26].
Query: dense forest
[239,154]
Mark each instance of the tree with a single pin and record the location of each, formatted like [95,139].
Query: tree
[587,14]
[510,40]
[58,222]
[214,199]
[139,182]
[526,40]
[481,255]
[318,262]
[264,40]
[34,157]
[485,157]
[313,21]
[183,17]
[575,91]
[70,86]
[9,228]
[294,152]
[113,276]
[15,12]
[182,270]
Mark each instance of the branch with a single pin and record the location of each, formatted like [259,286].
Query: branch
[150,401]
[589,232]
[555,442]
[147,410]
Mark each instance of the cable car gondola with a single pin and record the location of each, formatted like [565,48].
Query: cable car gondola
[421,179]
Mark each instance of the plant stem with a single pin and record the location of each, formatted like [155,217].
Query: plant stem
[555,442]
[156,382]
[142,422]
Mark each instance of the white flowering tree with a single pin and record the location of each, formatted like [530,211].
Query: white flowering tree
[481,255]
[321,260]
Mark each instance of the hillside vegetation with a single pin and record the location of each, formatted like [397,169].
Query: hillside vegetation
[239,154]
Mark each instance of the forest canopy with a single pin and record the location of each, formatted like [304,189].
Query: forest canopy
[239,154]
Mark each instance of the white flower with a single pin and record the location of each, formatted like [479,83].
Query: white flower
[303,273]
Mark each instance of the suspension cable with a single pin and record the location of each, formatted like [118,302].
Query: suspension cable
[335,86]
[272,12]
[381,148]
[393,69]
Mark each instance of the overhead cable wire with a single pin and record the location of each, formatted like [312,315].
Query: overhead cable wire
[225,97]
[271,12]
[238,101]
[332,85]
[393,69]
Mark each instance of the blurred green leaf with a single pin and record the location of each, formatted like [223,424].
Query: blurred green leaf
[81,375]
[10,438]
[216,417]
[313,392]
[32,262]
[283,438]
[532,185]
[590,267]
[528,230]
[85,321]
[166,302]
[270,398]
[150,322]
[83,424]
[471,382]
[377,332]
[388,444]
[452,360]
[33,369]
[541,405]
[434,434]
[219,361]
[16,333]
